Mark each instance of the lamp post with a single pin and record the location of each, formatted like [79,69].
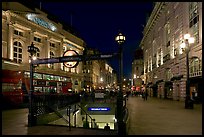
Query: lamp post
[120,39]
[188,41]
[31,117]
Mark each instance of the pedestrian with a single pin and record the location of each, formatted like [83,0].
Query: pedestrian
[107,127]
[143,95]
[85,123]
[93,96]
[146,95]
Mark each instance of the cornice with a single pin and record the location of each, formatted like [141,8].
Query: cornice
[152,19]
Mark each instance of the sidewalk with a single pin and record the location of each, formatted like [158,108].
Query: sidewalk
[163,117]
[151,117]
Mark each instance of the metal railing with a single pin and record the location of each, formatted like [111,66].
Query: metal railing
[54,101]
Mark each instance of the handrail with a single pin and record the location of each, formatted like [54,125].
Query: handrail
[86,115]
[58,114]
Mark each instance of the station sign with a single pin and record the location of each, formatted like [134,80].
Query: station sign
[73,63]
[98,109]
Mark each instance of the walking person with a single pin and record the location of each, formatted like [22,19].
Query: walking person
[146,95]
[107,127]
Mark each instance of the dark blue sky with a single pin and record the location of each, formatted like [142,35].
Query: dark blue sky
[99,22]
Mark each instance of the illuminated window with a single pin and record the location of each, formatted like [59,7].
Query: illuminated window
[194,20]
[17,52]
[195,65]
[169,75]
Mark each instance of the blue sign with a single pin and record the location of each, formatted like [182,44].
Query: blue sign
[98,109]
[40,21]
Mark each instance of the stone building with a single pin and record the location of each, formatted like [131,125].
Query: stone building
[164,49]
[23,24]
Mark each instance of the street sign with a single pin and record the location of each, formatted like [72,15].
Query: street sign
[74,58]
[70,64]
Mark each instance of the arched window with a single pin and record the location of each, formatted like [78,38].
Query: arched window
[195,65]
[17,52]
[169,75]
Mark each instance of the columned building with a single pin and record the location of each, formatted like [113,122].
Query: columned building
[23,24]
[165,68]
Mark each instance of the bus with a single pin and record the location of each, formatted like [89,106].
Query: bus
[16,85]
[11,88]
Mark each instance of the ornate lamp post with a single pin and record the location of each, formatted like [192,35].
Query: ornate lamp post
[120,39]
[188,41]
[31,117]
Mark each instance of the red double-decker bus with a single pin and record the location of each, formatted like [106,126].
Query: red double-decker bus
[11,87]
[16,85]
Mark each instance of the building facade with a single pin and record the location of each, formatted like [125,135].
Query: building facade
[98,74]
[165,69]
[24,24]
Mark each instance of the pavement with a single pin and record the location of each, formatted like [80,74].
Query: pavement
[163,117]
[152,117]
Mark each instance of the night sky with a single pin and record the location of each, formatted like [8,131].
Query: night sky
[97,23]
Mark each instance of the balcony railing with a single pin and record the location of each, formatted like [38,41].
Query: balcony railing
[166,58]
[196,74]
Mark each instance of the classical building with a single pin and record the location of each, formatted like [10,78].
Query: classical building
[137,70]
[163,44]
[23,24]
[98,74]
[91,70]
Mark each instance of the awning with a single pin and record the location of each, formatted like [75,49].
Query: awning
[154,85]
[159,81]
[177,77]
[168,83]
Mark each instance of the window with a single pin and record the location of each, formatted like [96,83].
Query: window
[52,45]
[51,56]
[195,65]
[159,58]
[37,52]
[169,75]
[18,32]
[194,19]
[17,52]
[37,39]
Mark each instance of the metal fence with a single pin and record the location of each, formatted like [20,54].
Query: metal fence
[46,103]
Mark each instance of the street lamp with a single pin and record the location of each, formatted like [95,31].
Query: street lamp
[188,41]
[120,39]
[31,116]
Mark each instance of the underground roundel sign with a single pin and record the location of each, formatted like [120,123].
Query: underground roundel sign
[73,63]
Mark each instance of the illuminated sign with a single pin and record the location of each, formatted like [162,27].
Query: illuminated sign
[40,21]
[73,63]
[98,109]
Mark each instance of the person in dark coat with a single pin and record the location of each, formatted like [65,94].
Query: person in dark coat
[107,127]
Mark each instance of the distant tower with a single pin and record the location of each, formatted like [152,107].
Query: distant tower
[137,69]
